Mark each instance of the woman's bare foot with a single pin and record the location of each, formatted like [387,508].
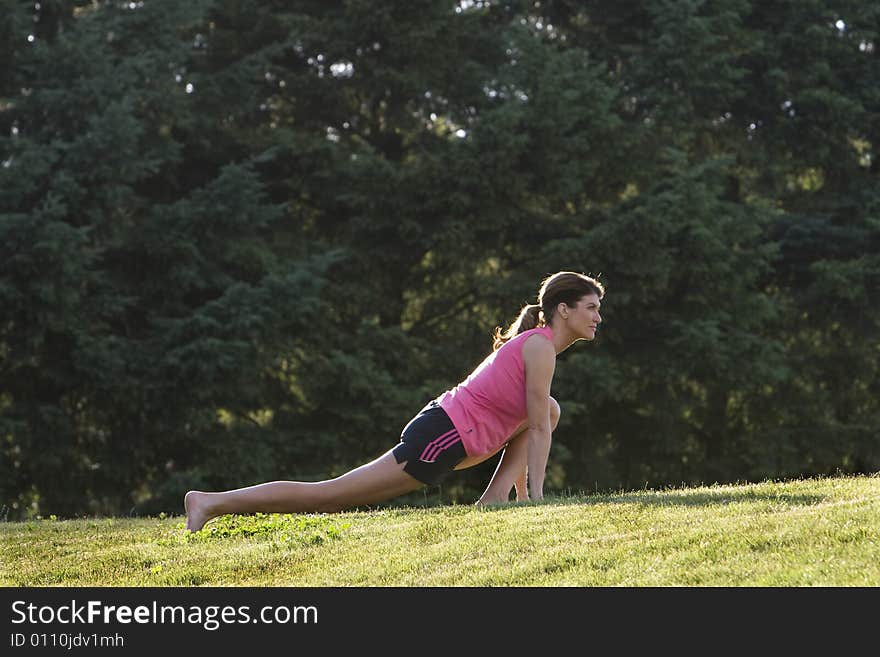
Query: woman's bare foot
[197,510]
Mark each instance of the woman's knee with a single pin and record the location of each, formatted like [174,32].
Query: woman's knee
[374,482]
[326,497]
[555,412]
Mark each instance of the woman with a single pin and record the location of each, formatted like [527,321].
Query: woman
[504,404]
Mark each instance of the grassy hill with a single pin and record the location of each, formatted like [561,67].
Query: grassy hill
[814,532]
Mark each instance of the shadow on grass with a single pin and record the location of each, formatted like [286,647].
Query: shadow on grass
[709,498]
[433,498]
[671,499]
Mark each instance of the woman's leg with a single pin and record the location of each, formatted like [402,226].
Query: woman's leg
[511,470]
[373,482]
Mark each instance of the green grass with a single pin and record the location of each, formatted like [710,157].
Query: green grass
[814,532]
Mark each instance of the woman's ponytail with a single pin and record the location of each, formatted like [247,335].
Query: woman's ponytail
[529,317]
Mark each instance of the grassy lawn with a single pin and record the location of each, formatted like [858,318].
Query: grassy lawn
[814,532]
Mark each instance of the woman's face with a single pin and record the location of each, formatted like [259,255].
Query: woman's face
[583,318]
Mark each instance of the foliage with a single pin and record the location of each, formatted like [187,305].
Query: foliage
[284,529]
[243,241]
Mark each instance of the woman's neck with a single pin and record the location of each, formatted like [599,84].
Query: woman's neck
[563,338]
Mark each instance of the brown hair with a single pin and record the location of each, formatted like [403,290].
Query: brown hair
[562,287]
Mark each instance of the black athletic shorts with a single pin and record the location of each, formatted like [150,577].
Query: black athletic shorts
[430,445]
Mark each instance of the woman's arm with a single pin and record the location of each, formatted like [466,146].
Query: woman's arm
[539,358]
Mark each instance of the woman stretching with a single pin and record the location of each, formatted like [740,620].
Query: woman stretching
[504,404]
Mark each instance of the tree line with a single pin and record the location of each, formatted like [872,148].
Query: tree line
[243,241]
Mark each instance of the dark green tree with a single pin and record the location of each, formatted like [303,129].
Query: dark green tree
[246,240]
[143,302]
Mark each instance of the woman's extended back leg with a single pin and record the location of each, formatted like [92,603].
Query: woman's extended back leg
[377,481]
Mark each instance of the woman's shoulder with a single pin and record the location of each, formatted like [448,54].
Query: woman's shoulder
[516,343]
[538,355]
[532,338]
[544,331]
[531,342]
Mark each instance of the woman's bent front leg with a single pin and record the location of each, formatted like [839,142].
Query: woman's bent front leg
[512,468]
[510,473]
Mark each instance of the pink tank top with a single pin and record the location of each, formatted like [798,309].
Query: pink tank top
[491,403]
